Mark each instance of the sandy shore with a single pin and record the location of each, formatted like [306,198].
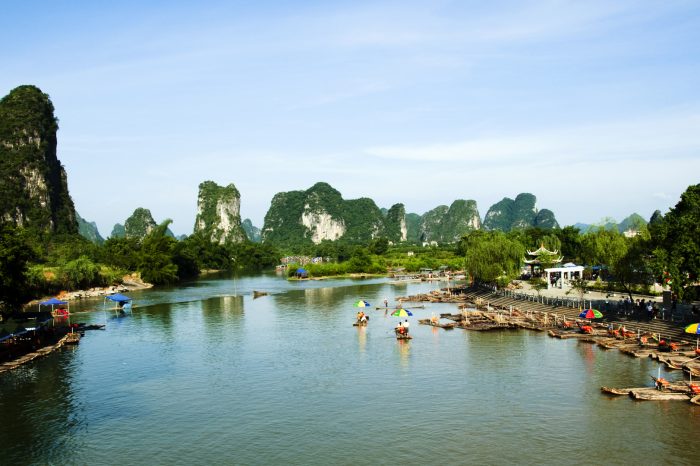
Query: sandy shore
[129,283]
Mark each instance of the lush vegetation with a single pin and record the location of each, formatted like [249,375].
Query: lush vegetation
[667,251]
[36,261]
[32,267]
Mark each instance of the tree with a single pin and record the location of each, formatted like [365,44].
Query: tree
[157,265]
[538,284]
[604,247]
[676,242]
[635,266]
[379,246]
[570,240]
[80,273]
[15,254]
[580,286]
[124,253]
[489,256]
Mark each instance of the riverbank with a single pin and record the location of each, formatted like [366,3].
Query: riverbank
[130,282]
[345,275]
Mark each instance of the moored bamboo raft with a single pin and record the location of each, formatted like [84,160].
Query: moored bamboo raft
[15,363]
[446,326]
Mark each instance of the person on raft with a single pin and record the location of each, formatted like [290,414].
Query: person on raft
[400,329]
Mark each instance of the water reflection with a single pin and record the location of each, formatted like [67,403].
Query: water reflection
[198,375]
[404,350]
[588,353]
[361,339]
[321,297]
[27,394]
[228,305]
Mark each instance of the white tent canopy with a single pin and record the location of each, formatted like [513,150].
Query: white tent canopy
[561,277]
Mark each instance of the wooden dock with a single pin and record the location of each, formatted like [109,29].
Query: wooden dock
[15,363]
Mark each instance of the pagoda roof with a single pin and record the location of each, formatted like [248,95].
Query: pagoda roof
[542,250]
[537,261]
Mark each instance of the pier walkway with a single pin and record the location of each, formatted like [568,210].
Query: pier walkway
[666,325]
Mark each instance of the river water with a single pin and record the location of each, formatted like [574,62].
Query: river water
[205,374]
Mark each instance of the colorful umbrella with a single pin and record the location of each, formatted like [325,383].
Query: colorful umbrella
[401,313]
[693,328]
[591,314]
[361,303]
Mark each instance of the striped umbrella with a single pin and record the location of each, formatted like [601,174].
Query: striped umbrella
[591,314]
[693,328]
[361,303]
[401,313]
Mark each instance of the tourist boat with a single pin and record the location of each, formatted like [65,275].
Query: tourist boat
[400,335]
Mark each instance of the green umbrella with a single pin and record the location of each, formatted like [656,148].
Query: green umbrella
[401,313]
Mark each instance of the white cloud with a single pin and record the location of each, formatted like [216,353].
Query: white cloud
[671,135]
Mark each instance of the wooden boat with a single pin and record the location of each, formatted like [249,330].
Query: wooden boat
[92,327]
[401,335]
[72,338]
[616,391]
[360,323]
[257,294]
[378,308]
[433,323]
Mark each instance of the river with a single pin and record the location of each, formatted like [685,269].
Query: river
[205,374]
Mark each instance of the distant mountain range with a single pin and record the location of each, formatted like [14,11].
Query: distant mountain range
[630,225]
[34,194]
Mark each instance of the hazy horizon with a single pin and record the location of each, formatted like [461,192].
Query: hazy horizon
[593,107]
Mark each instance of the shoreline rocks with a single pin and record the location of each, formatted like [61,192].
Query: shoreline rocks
[129,283]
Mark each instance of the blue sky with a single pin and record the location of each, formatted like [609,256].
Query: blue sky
[593,106]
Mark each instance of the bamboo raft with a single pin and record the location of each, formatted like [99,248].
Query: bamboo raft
[379,308]
[446,326]
[663,390]
[36,354]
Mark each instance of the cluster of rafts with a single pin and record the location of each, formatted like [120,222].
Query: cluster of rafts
[676,356]
[401,329]
[60,311]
